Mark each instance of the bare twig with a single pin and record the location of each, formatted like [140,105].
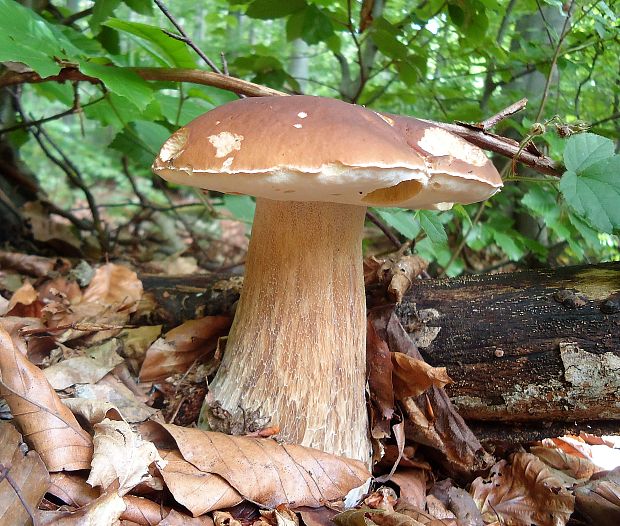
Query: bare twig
[185,38]
[489,123]
[371,216]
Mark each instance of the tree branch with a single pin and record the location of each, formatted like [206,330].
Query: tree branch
[488,141]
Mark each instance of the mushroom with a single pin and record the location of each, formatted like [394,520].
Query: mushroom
[296,349]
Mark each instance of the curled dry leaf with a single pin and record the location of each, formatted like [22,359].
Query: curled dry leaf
[198,491]
[72,489]
[395,271]
[114,285]
[412,484]
[181,346]
[431,419]
[576,467]
[412,377]
[27,473]
[459,502]
[120,454]
[269,473]
[48,426]
[521,493]
[379,367]
[105,510]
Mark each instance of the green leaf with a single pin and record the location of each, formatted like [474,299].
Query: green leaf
[240,206]
[388,44]
[26,37]
[508,245]
[310,24]
[432,226]
[170,51]
[403,221]
[585,149]
[595,193]
[268,9]
[121,81]
[102,10]
[144,7]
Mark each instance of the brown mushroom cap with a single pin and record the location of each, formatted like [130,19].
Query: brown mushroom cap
[304,148]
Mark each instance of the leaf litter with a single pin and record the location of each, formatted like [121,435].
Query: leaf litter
[96,398]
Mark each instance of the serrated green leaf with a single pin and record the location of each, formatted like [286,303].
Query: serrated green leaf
[121,81]
[432,226]
[585,149]
[595,193]
[460,211]
[403,221]
[508,244]
[269,9]
[170,51]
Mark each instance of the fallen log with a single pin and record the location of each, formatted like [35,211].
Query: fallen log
[539,347]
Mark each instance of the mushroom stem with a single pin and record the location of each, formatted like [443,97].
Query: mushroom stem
[296,350]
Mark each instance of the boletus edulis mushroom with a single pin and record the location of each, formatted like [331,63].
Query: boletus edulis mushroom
[296,349]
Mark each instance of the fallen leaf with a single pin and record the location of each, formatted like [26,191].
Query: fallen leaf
[268,473]
[51,229]
[459,502]
[136,342]
[174,518]
[25,302]
[97,362]
[28,475]
[599,499]
[182,346]
[379,367]
[114,285]
[35,266]
[72,489]
[120,454]
[198,491]
[431,419]
[48,426]
[132,409]
[105,510]
[412,377]
[317,516]
[412,484]
[521,493]
[577,467]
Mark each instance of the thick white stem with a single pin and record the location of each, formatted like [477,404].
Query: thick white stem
[296,350]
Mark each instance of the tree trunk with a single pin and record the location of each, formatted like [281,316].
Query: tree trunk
[539,347]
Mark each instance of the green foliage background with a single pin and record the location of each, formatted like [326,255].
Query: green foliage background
[440,59]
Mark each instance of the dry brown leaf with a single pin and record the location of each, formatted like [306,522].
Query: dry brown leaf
[4,305]
[379,367]
[198,491]
[317,516]
[36,266]
[114,285]
[72,489]
[97,362]
[599,499]
[136,342]
[412,484]
[396,272]
[123,400]
[576,467]
[174,518]
[459,502]
[105,510]
[120,454]
[48,426]
[269,473]
[521,493]
[181,346]
[431,419]
[224,518]
[51,229]
[25,302]
[28,474]
[412,377]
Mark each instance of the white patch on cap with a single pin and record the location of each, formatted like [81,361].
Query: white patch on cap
[439,142]
[225,142]
[297,125]
[226,164]
[386,119]
[174,146]
[302,114]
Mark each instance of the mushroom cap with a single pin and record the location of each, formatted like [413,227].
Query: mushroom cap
[303,148]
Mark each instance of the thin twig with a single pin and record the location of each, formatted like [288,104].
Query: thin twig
[185,38]
[489,123]
[384,228]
